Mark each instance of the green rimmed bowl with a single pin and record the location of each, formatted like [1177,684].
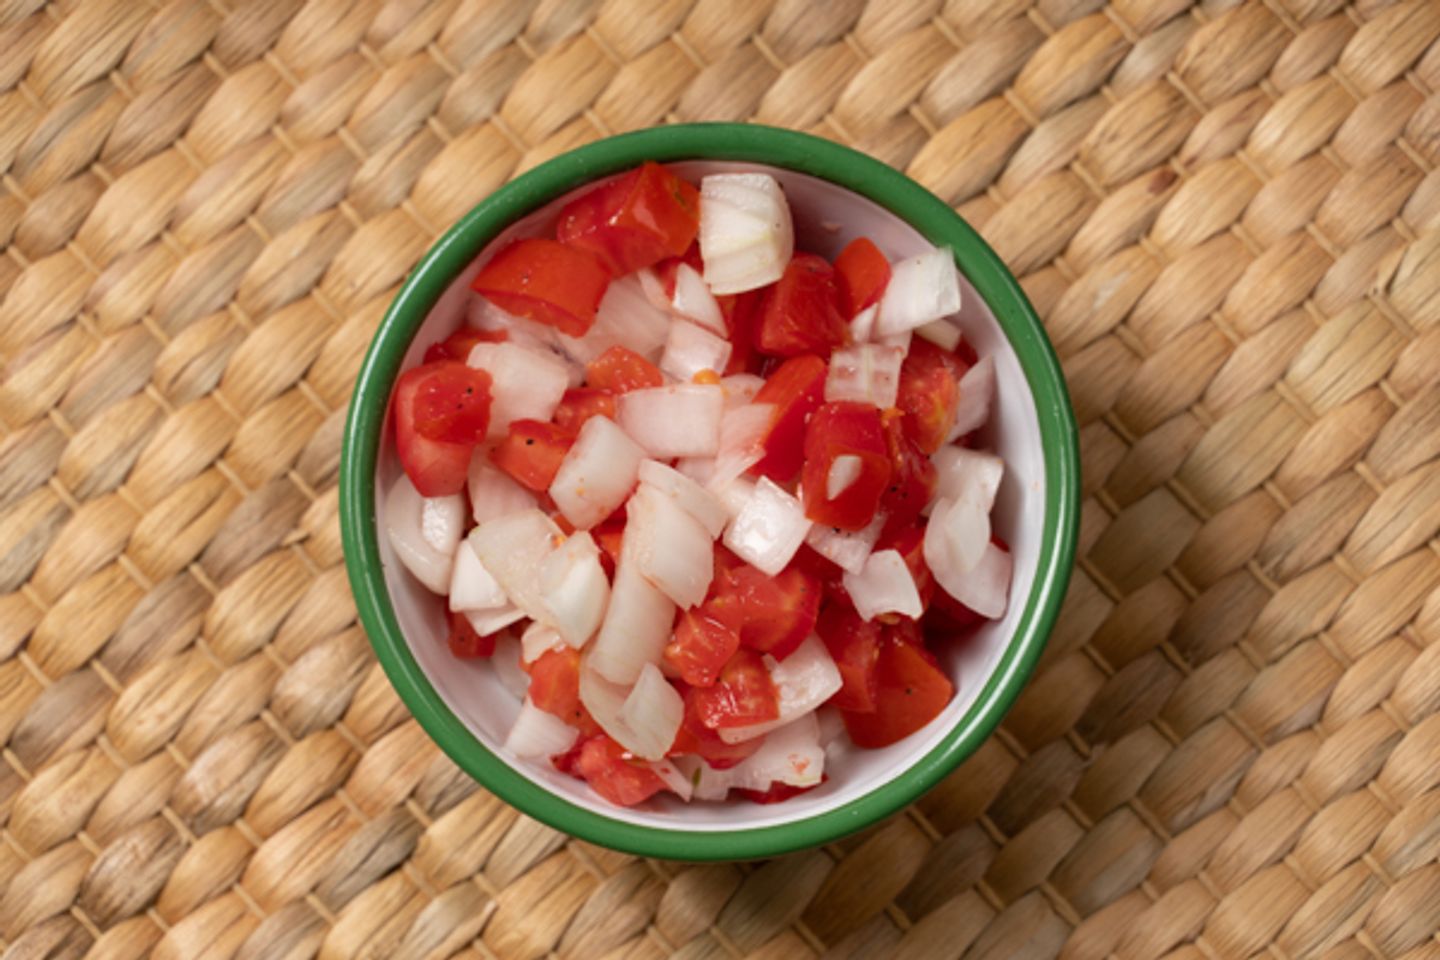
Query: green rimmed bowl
[836,194]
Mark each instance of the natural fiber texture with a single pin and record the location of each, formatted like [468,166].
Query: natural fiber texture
[1229,216]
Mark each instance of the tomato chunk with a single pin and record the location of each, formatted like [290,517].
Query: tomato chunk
[547,282]
[582,403]
[796,389]
[741,312]
[621,370]
[555,687]
[633,221]
[743,695]
[862,272]
[910,691]
[452,403]
[611,772]
[801,313]
[772,615]
[845,429]
[532,451]
[458,345]
[929,394]
[701,645]
[465,642]
[608,536]
[854,644]
[912,477]
[436,468]
[696,738]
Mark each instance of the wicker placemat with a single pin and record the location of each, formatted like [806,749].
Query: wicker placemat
[1229,217]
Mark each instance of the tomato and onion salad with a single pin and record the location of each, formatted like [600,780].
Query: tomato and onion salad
[705,501]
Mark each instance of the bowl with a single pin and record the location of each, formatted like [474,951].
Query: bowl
[835,194]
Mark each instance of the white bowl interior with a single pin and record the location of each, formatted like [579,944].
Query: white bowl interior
[826,217]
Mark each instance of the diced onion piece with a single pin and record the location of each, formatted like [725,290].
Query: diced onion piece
[922,288]
[742,434]
[883,585]
[574,588]
[844,548]
[485,315]
[746,236]
[694,499]
[977,393]
[984,588]
[486,622]
[653,712]
[942,333]
[832,724]
[693,299]
[525,384]
[844,470]
[471,586]
[682,420]
[735,495]
[769,528]
[626,317]
[866,373]
[970,475]
[636,626]
[791,754]
[699,469]
[424,532]
[506,661]
[513,548]
[537,733]
[740,389]
[691,348]
[675,781]
[899,341]
[803,681]
[597,474]
[668,546]
[537,640]
[862,325]
[654,290]
[956,536]
[493,492]
[605,699]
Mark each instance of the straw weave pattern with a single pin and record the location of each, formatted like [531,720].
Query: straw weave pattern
[1228,215]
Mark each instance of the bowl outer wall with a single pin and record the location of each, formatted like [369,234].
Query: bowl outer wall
[847,168]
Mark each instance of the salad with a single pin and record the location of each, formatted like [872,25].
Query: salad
[707,502]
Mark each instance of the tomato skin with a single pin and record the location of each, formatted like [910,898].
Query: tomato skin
[912,478]
[465,643]
[547,282]
[608,536]
[452,403]
[845,428]
[801,313]
[910,691]
[929,393]
[532,451]
[620,370]
[634,221]
[607,767]
[743,695]
[555,687]
[436,468]
[772,615]
[458,345]
[796,389]
[701,645]
[694,737]
[582,403]
[854,645]
[862,273]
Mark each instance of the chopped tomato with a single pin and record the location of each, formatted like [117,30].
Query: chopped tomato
[910,691]
[547,282]
[862,272]
[635,220]
[743,695]
[909,542]
[845,429]
[555,687]
[772,615]
[694,737]
[612,773]
[700,646]
[435,467]
[607,537]
[912,477]
[823,571]
[854,644]
[801,313]
[796,390]
[581,404]
[465,642]
[621,370]
[741,311]
[532,451]
[458,345]
[929,394]
[452,403]
[777,792]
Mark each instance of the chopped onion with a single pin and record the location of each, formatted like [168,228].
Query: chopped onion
[862,326]
[922,288]
[484,315]
[977,393]
[486,622]
[984,588]
[942,333]
[832,724]
[768,529]
[506,661]
[694,499]
[627,318]
[958,531]
[844,470]
[803,681]
[899,341]
[675,781]
[652,712]
[969,475]
[847,549]
[605,699]
[537,733]
[493,492]
[682,420]
[537,640]
[471,586]
[740,389]
[735,495]
[574,588]
[691,348]
[867,373]
[791,754]
[635,629]
[742,435]
[668,546]
[513,548]
[526,384]
[883,585]
[424,532]
[597,474]
[693,299]
[699,469]
[746,236]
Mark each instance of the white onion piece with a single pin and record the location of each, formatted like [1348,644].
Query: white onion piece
[506,661]
[471,585]
[746,235]
[922,288]
[970,475]
[654,290]
[742,433]
[668,546]
[636,626]
[424,532]
[484,315]
[652,712]
[694,499]
[791,754]
[942,333]
[699,469]
[845,548]
[898,341]
[597,474]
[957,534]
[883,585]
[984,588]
[682,420]
[486,622]
[844,470]
[526,384]
[574,588]
[735,495]
[693,299]
[513,548]
[493,492]
[605,700]
[862,325]
[740,389]
[537,640]
[866,373]
[706,783]
[626,317]
[691,348]
[832,724]
[675,780]
[977,393]
[538,734]
[768,529]
[803,681]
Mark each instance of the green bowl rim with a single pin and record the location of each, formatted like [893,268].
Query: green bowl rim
[710,141]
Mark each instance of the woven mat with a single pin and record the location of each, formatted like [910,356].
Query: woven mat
[1229,216]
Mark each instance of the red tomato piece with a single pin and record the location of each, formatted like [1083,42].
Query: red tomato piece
[633,221]
[846,428]
[452,403]
[435,467]
[555,687]
[741,311]
[465,642]
[701,645]
[777,792]
[547,282]
[912,477]
[910,691]
[743,695]
[621,370]
[854,644]
[862,272]
[772,615]
[531,452]
[611,772]
[607,537]
[695,738]
[801,313]
[458,345]
[929,393]
[796,389]
[581,404]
